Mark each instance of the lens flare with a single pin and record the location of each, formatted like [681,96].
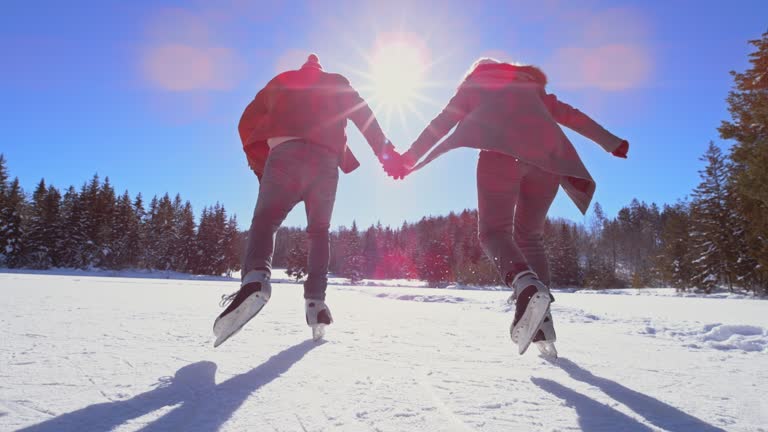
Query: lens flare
[398,71]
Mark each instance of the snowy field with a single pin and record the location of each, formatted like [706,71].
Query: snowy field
[85,353]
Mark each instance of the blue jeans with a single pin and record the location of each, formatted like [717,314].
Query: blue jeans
[295,171]
[513,199]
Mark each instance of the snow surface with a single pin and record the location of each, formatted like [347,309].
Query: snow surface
[92,353]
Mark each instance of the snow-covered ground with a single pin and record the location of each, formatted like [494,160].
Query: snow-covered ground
[89,353]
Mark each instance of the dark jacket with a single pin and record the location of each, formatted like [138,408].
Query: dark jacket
[311,104]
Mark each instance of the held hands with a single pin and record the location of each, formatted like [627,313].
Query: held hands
[396,165]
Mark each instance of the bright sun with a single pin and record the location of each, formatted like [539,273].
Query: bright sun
[397,72]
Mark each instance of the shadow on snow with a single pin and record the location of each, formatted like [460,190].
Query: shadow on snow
[203,405]
[595,416]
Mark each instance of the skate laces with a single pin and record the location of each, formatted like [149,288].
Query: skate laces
[227,298]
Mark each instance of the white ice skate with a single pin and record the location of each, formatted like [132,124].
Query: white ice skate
[532,299]
[318,317]
[244,304]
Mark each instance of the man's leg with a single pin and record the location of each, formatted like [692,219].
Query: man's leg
[319,200]
[279,192]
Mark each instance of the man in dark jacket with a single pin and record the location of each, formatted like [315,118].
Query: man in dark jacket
[293,134]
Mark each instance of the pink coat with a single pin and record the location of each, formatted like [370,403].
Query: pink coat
[504,108]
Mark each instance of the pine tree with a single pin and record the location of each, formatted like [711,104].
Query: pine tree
[106,235]
[71,231]
[354,262]
[4,235]
[125,240]
[11,237]
[185,241]
[297,258]
[675,260]
[204,243]
[211,241]
[41,232]
[711,238]
[90,224]
[139,255]
[748,106]
[371,252]
[161,234]
[233,245]
[220,226]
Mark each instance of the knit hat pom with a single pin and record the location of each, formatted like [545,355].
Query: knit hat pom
[313,62]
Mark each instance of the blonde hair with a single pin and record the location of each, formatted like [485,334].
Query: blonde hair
[535,72]
[479,62]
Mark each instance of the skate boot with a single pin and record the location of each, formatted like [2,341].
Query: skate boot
[545,338]
[532,299]
[243,305]
[318,316]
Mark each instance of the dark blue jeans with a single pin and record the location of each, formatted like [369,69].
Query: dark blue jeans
[295,171]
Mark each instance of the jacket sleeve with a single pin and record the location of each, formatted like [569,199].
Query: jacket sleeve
[356,109]
[453,113]
[252,115]
[576,120]
[255,152]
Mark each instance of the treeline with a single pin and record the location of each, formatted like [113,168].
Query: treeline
[95,228]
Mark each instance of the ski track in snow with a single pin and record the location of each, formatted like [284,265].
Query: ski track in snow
[84,353]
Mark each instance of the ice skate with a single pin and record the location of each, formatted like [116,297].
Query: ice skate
[532,299]
[243,305]
[318,317]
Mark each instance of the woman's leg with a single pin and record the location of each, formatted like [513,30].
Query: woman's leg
[498,190]
[538,189]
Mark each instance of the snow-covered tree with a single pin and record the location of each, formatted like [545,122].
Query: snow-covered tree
[712,220]
[297,259]
[565,259]
[185,248]
[41,228]
[11,230]
[354,262]
[748,106]
[125,241]
[675,261]
[233,245]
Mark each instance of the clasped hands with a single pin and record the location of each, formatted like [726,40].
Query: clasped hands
[396,165]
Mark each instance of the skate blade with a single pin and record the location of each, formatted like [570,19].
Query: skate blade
[529,324]
[228,326]
[547,349]
[318,332]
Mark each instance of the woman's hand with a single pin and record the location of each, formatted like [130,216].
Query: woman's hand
[622,150]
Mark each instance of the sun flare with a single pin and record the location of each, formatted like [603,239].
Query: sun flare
[397,73]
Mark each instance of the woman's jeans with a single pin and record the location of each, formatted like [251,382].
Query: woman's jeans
[513,201]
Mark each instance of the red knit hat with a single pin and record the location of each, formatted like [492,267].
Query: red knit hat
[312,62]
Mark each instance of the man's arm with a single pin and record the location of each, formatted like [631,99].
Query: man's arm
[252,115]
[255,152]
[357,110]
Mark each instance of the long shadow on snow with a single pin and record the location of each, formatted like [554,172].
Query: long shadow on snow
[593,415]
[205,406]
[655,411]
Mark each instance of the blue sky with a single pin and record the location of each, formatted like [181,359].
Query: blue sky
[149,93]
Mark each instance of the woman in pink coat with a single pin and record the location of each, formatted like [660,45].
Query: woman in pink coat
[504,110]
